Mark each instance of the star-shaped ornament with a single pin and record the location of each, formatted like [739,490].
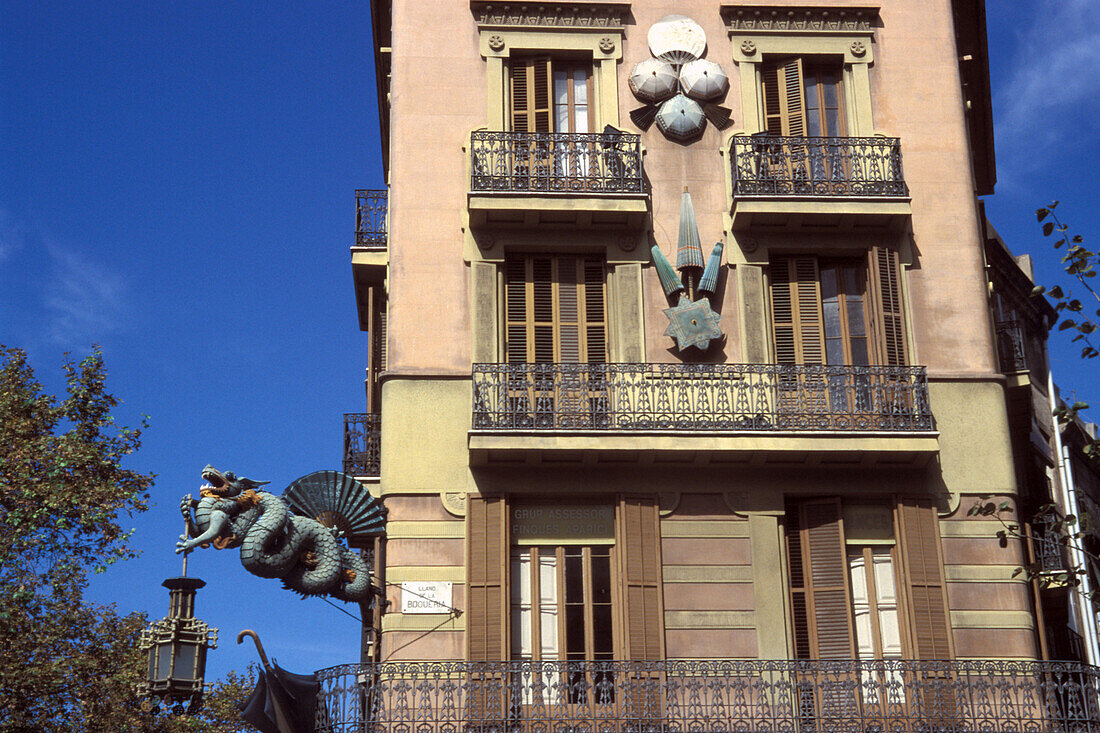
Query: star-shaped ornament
[692,324]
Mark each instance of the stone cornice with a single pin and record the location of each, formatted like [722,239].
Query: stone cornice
[800,19]
[543,14]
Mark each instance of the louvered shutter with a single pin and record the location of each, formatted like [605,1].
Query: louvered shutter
[487,558]
[555,309]
[639,550]
[531,94]
[515,311]
[797,329]
[923,579]
[825,574]
[784,110]
[887,307]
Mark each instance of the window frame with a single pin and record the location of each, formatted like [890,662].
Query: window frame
[854,50]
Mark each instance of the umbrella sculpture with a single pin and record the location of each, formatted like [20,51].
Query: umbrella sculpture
[653,80]
[681,118]
[677,80]
[689,323]
[703,80]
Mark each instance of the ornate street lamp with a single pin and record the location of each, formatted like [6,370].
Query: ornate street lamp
[176,646]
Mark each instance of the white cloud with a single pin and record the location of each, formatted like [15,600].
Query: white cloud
[1052,82]
[84,300]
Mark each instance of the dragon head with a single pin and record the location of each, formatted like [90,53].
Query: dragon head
[226,485]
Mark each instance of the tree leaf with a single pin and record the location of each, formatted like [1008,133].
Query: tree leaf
[1048,228]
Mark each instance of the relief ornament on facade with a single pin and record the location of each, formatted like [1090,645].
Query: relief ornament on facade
[680,88]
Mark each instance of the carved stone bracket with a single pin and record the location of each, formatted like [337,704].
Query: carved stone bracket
[667,502]
[780,18]
[454,502]
[551,14]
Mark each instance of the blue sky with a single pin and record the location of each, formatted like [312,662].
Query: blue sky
[177,183]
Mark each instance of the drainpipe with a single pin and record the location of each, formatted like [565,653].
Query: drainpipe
[1067,490]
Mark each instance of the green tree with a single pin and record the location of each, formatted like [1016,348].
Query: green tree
[67,664]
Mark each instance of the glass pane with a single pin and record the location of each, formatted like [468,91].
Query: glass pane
[521,605]
[601,575]
[580,119]
[887,603]
[601,632]
[548,604]
[185,661]
[834,351]
[809,80]
[832,123]
[574,631]
[574,575]
[580,86]
[561,118]
[829,87]
[828,283]
[859,352]
[830,309]
[856,325]
[561,89]
[861,605]
[164,661]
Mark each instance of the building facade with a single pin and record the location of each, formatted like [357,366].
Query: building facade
[601,517]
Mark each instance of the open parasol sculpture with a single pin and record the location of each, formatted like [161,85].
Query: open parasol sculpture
[653,80]
[681,118]
[679,87]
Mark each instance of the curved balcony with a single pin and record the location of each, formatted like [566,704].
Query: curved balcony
[816,182]
[765,696]
[536,178]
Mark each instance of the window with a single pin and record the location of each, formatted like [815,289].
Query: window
[561,603]
[849,570]
[551,95]
[563,582]
[555,309]
[837,311]
[802,98]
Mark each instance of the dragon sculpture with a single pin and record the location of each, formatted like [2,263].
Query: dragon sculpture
[275,543]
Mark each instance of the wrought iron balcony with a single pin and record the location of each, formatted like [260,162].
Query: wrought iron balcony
[1048,546]
[728,397]
[553,162]
[1011,347]
[370,218]
[770,165]
[362,444]
[753,696]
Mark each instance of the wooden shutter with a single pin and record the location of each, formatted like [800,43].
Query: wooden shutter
[797,329]
[923,579]
[639,551]
[487,560]
[555,309]
[884,276]
[531,94]
[784,110]
[824,594]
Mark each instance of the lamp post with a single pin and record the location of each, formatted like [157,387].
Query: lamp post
[176,647]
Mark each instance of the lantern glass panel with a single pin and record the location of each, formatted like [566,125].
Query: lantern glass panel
[185,662]
[164,661]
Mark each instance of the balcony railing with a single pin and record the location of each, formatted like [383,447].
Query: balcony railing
[553,162]
[891,696]
[370,218]
[731,397]
[770,165]
[362,444]
[1011,347]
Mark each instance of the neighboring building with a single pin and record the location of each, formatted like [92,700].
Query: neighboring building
[665,538]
